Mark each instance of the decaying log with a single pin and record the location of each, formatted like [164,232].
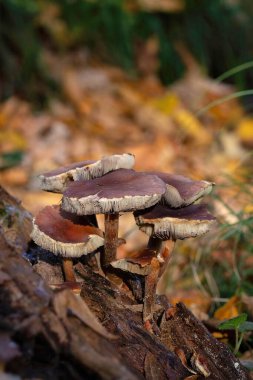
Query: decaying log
[183,334]
[48,326]
[100,335]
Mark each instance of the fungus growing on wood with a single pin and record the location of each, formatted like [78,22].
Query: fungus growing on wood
[162,223]
[182,191]
[65,235]
[150,263]
[57,180]
[119,191]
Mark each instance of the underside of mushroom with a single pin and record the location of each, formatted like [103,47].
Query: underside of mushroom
[65,235]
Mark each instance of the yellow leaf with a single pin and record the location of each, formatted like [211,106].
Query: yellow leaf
[231,309]
[248,209]
[191,126]
[166,104]
[12,140]
[245,130]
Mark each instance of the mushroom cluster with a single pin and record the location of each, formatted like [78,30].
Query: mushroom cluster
[165,206]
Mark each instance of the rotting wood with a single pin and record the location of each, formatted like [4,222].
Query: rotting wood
[182,333]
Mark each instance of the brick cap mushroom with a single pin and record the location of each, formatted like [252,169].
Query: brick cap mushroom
[62,236]
[120,190]
[58,179]
[182,191]
[140,261]
[166,223]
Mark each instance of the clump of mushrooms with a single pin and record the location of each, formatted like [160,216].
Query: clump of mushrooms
[166,207]
[61,232]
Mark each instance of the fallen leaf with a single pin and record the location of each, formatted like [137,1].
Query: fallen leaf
[245,131]
[231,309]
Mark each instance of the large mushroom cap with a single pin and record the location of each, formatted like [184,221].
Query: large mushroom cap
[121,190]
[57,180]
[64,236]
[166,223]
[182,191]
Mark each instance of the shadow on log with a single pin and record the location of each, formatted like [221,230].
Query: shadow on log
[100,335]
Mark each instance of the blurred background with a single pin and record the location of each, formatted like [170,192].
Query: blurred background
[170,81]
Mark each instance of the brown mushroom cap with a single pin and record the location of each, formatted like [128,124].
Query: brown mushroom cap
[139,262]
[182,191]
[121,190]
[58,179]
[166,223]
[63,236]
[105,165]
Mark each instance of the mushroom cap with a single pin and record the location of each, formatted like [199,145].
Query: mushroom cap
[58,179]
[120,190]
[105,165]
[182,191]
[55,231]
[166,223]
[140,262]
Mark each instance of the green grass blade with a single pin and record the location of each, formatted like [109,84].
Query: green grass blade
[238,94]
[235,70]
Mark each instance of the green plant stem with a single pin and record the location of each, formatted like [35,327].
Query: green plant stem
[235,70]
[234,255]
[238,341]
[235,95]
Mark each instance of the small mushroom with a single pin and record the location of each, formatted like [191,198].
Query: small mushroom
[162,223]
[182,191]
[151,264]
[65,235]
[119,191]
[138,263]
[57,180]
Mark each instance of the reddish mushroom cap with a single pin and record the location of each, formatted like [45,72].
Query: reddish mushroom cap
[140,262]
[182,191]
[166,223]
[121,190]
[63,236]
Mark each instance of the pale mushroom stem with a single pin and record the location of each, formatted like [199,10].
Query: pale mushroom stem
[68,270]
[111,238]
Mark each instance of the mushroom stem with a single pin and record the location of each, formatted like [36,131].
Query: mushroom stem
[150,290]
[157,268]
[111,238]
[93,220]
[155,244]
[68,270]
